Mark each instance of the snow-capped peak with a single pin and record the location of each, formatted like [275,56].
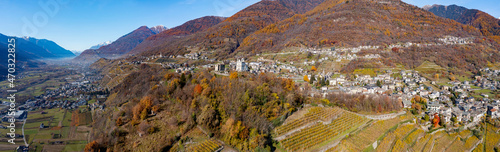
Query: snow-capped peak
[100,45]
[159,28]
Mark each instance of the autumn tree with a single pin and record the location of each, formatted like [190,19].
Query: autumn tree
[289,84]
[436,76]
[140,111]
[92,147]
[306,79]
[436,120]
[198,89]
[233,75]
[313,68]
[452,78]
[119,121]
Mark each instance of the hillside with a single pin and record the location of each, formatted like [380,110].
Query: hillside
[51,46]
[344,24]
[355,23]
[226,37]
[119,47]
[487,24]
[172,34]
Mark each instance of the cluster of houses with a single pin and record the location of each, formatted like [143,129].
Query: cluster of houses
[408,84]
[455,40]
[69,90]
[58,98]
[261,66]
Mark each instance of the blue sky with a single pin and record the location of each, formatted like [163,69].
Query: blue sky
[79,24]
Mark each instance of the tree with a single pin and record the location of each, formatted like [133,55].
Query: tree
[313,68]
[311,81]
[454,119]
[306,79]
[119,121]
[379,83]
[182,81]
[92,147]
[436,76]
[426,117]
[198,89]
[436,120]
[452,78]
[233,75]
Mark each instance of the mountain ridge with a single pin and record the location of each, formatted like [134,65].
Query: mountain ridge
[226,36]
[487,24]
[117,48]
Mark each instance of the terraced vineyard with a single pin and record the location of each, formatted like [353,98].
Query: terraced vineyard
[365,138]
[208,145]
[407,137]
[394,136]
[315,114]
[321,131]
[419,145]
[325,129]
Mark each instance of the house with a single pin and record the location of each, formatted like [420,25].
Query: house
[21,114]
[241,65]
[434,106]
[493,111]
[220,67]
[406,103]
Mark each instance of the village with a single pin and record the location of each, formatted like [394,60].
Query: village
[69,96]
[452,102]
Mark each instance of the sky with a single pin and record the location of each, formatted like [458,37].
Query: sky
[79,24]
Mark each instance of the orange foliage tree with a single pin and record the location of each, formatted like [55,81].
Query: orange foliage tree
[313,68]
[306,79]
[436,120]
[92,147]
[233,75]
[198,89]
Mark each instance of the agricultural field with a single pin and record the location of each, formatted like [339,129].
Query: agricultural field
[34,83]
[57,132]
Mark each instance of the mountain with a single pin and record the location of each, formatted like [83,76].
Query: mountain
[119,47]
[226,36]
[158,29]
[340,23]
[100,45]
[354,23]
[26,54]
[51,46]
[187,28]
[487,24]
[77,53]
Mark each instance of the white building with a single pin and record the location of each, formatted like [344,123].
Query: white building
[241,65]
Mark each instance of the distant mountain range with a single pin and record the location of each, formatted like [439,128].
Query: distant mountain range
[227,36]
[117,48]
[158,29]
[188,28]
[487,24]
[28,50]
[50,46]
[95,47]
